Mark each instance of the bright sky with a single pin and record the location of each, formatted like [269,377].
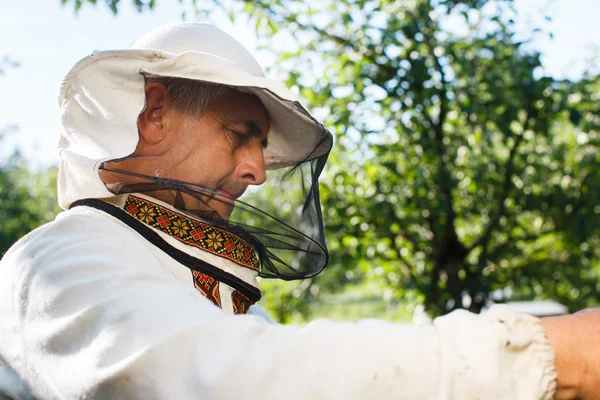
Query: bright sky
[48,40]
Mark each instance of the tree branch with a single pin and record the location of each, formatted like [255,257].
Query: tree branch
[405,265]
[337,39]
[444,175]
[508,174]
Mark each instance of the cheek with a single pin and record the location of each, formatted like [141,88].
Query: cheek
[206,159]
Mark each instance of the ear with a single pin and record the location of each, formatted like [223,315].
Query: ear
[151,122]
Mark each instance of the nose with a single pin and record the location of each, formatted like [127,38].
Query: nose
[251,166]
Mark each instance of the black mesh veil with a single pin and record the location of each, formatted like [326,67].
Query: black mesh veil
[282,218]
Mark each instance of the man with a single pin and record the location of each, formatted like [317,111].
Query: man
[131,292]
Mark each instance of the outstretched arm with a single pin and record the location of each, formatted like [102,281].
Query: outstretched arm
[89,310]
[576,341]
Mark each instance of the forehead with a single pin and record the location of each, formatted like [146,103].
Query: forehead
[235,106]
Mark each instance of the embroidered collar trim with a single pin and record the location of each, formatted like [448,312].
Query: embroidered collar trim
[210,281]
[191,232]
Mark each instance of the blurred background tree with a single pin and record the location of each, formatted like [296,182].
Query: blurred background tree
[113,5]
[460,172]
[27,199]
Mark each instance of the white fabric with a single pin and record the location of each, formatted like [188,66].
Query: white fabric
[89,309]
[200,37]
[103,94]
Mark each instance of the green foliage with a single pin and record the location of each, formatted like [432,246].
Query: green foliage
[27,200]
[113,5]
[458,169]
[353,303]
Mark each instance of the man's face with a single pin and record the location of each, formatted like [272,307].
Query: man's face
[221,150]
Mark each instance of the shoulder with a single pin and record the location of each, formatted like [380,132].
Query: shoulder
[73,229]
[81,242]
[81,259]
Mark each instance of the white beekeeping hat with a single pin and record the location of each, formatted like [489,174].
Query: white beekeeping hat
[103,94]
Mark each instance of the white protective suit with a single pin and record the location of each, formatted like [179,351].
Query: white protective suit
[94,307]
[90,309]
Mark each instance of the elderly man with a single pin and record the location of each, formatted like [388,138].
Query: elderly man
[133,291]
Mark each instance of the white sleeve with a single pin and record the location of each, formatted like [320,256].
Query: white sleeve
[79,322]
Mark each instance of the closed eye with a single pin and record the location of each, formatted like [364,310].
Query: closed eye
[250,130]
[240,137]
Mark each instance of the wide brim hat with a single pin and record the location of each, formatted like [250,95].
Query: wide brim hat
[103,95]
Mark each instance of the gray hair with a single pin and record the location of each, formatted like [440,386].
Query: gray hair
[190,96]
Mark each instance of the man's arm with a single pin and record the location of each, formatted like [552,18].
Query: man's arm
[91,311]
[576,341]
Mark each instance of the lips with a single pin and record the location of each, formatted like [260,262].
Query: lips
[226,193]
[230,195]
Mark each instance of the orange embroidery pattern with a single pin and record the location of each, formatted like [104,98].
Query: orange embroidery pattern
[203,236]
[208,286]
[241,303]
